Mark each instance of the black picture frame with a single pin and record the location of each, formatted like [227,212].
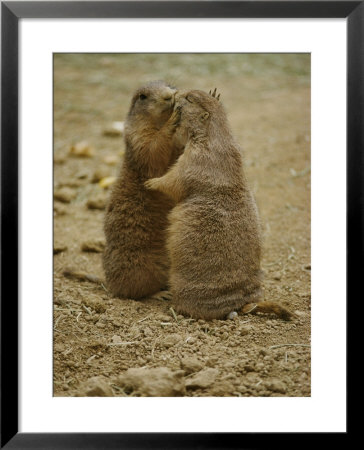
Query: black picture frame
[11,12]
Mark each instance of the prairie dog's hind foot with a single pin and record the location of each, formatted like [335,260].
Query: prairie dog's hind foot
[267,307]
[162,295]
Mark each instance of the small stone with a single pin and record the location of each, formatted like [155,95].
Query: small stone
[116,339]
[94,302]
[94,246]
[59,159]
[59,209]
[155,382]
[111,160]
[277,276]
[115,129]
[164,318]
[71,183]
[232,315]
[82,174]
[64,195]
[95,387]
[212,361]
[100,324]
[81,149]
[222,388]
[276,385]
[59,248]
[191,364]
[59,348]
[107,182]
[99,174]
[171,340]
[202,379]
[244,330]
[98,202]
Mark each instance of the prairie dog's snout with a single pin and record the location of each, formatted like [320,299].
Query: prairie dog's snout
[169,95]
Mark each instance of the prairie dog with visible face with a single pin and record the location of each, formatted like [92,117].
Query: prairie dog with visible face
[214,237]
[135,259]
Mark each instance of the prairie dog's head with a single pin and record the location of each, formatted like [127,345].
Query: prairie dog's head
[153,102]
[200,114]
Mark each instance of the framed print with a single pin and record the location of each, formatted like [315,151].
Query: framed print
[93,360]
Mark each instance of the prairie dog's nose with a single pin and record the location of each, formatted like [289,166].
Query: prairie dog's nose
[169,94]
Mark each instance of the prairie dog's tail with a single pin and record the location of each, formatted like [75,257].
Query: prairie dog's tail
[81,276]
[268,307]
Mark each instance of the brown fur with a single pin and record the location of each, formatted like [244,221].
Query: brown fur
[214,236]
[135,259]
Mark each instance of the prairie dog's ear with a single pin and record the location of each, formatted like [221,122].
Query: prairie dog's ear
[204,116]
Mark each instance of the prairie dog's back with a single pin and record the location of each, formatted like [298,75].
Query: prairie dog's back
[214,237]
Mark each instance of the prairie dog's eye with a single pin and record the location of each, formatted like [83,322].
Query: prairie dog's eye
[142,96]
[189,99]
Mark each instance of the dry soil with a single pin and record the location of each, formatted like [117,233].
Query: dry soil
[105,346]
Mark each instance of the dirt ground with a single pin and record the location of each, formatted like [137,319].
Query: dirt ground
[106,346]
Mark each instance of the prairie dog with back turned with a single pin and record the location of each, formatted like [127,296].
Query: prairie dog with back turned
[214,238]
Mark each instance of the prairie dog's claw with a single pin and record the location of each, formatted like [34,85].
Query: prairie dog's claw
[151,184]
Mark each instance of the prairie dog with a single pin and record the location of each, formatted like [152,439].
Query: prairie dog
[214,236]
[135,259]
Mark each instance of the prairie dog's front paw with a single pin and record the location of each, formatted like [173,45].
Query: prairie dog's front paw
[152,184]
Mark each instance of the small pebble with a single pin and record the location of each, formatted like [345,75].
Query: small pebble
[202,379]
[94,246]
[81,149]
[171,340]
[153,382]
[232,315]
[59,210]
[64,195]
[111,160]
[59,248]
[95,387]
[99,174]
[98,202]
[116,339]
[276,385]
[59,159]
[114,130]
[107,182]
[191,364]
